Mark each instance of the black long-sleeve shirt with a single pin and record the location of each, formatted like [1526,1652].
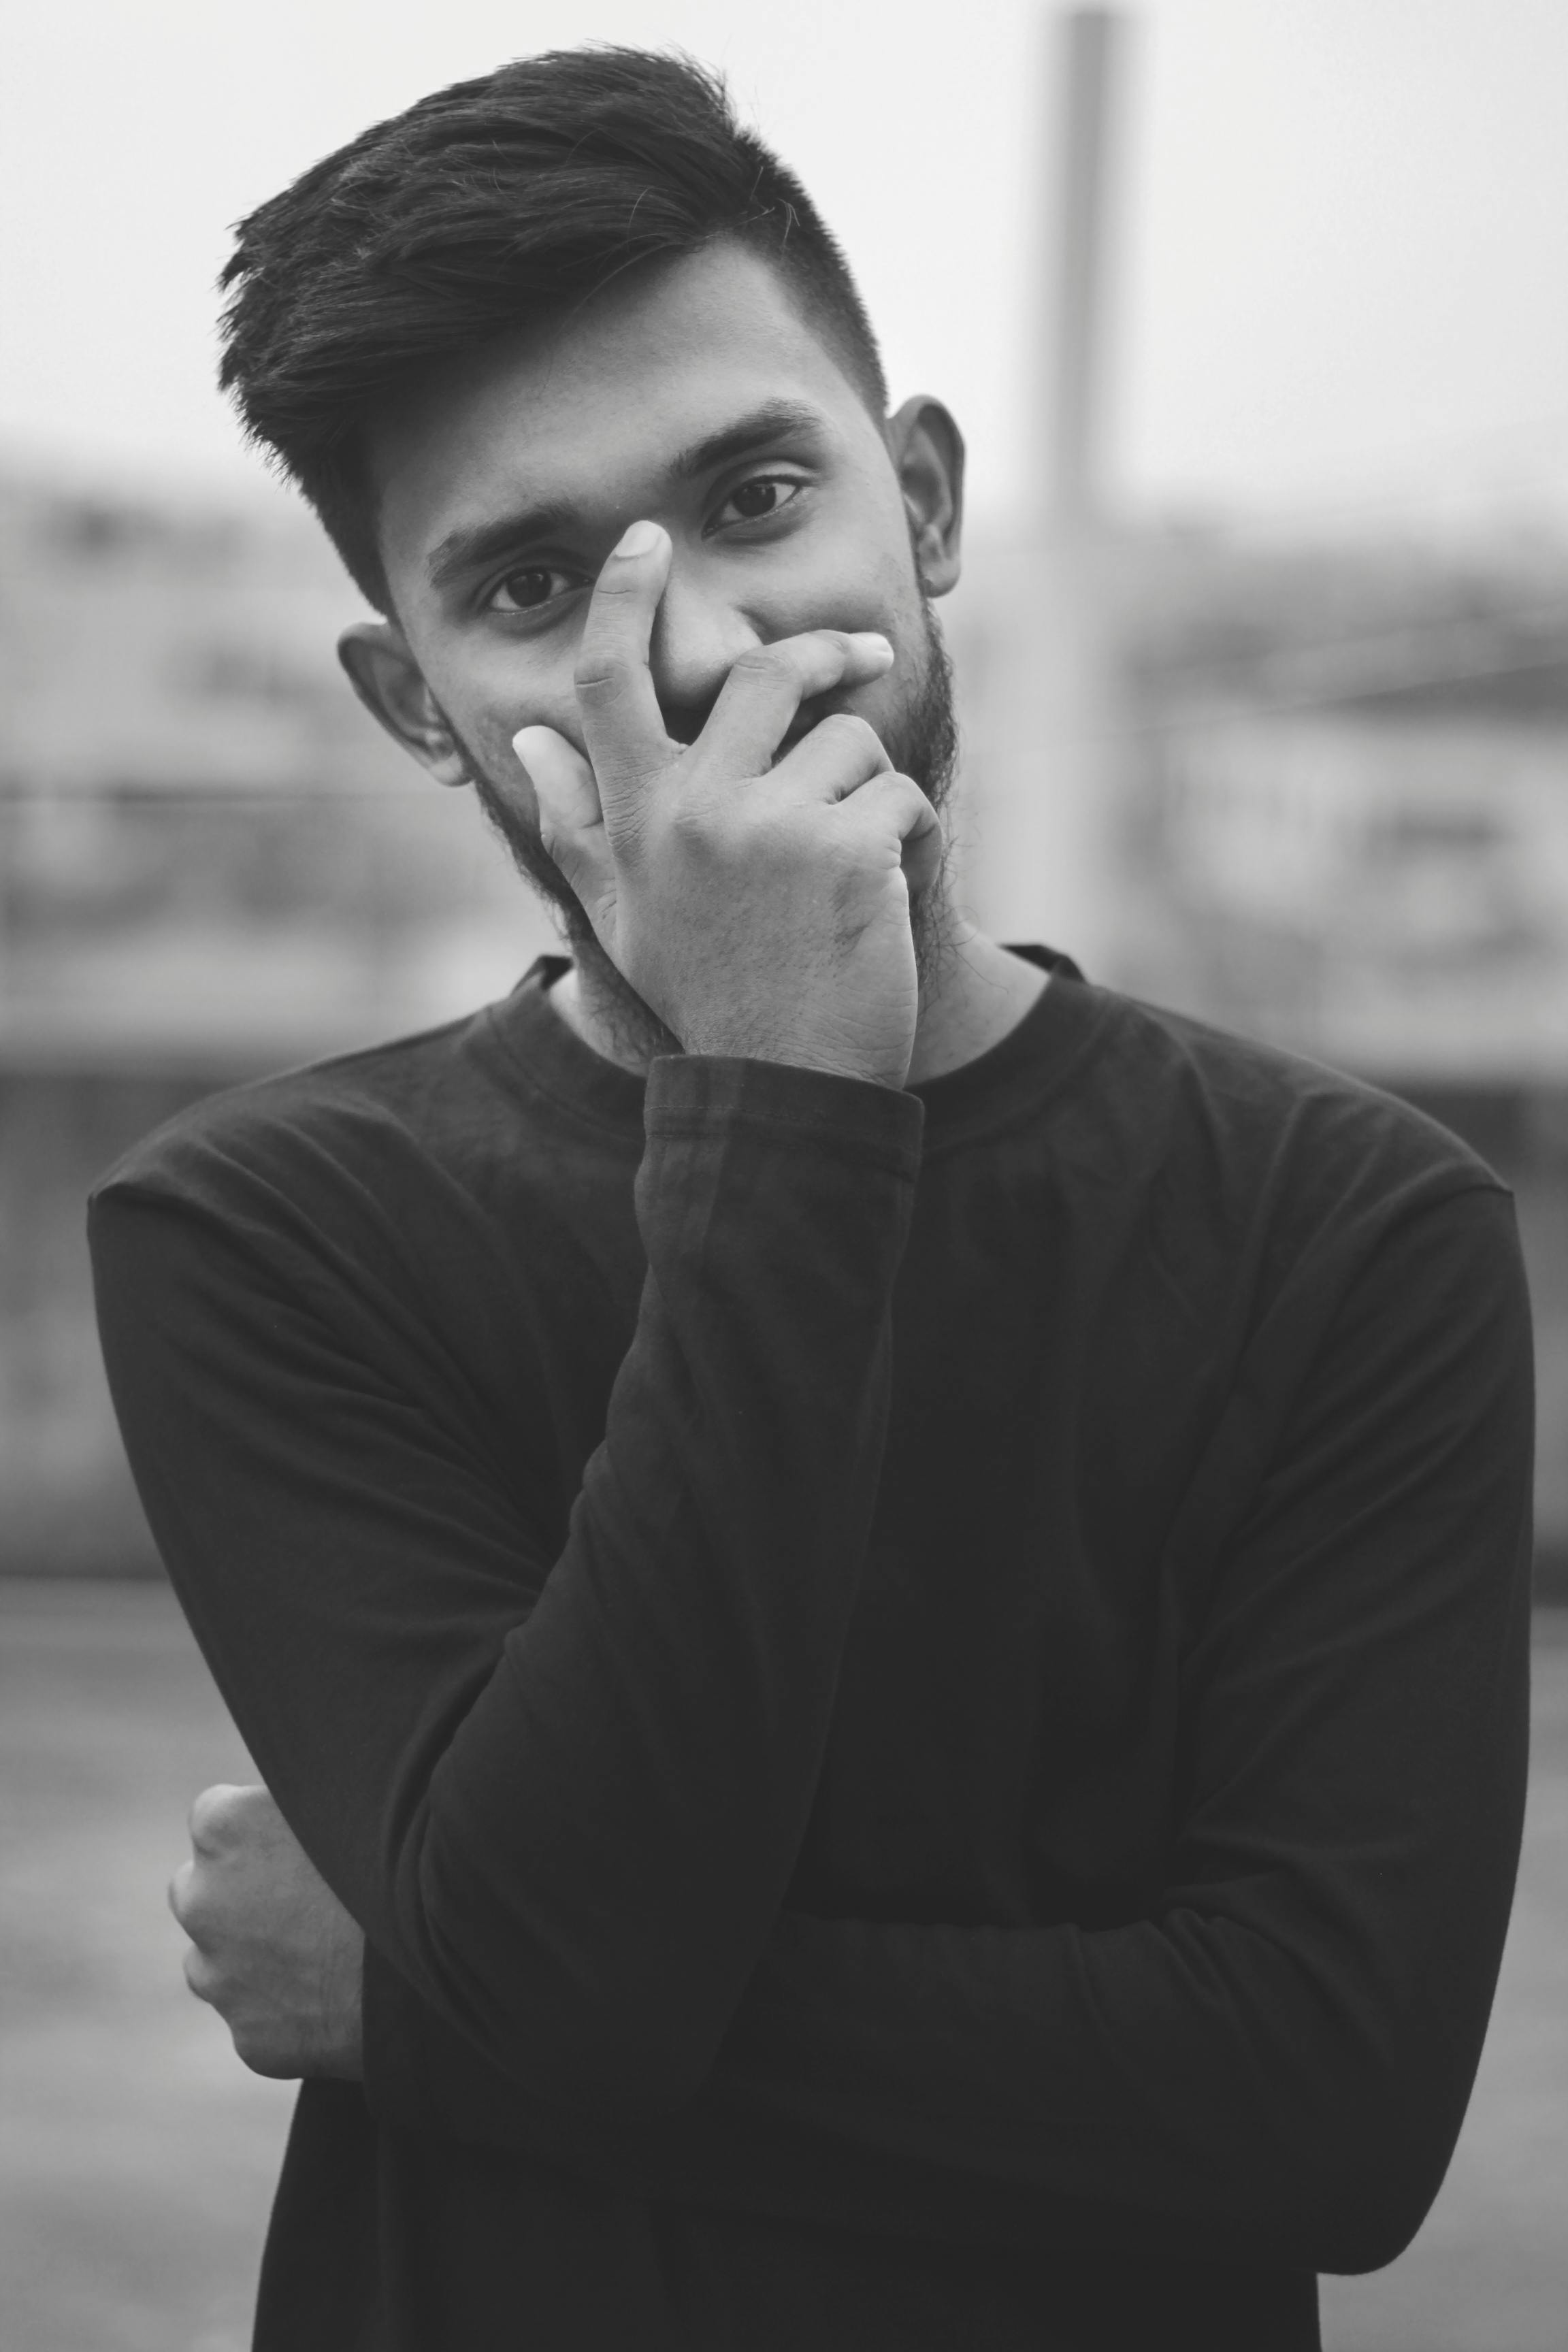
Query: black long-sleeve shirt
[920,1696]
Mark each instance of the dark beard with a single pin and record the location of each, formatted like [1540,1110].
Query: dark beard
[922,743]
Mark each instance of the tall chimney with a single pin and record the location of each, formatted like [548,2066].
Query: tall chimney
[1084,78]
[1045,860]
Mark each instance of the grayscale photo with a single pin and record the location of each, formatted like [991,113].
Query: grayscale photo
[783,1128]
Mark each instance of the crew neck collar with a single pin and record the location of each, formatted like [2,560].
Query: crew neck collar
[557,1060]
[1018,1068]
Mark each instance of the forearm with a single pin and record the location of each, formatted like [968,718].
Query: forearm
[1186,2086]
[1138,2090]
[1270,2058]
[613,1827]
[565,1794]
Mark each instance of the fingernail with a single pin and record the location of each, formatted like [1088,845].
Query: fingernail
[532,746]
[871,641]
[638,539]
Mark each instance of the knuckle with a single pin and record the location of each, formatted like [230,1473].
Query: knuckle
[209,1817]
[599,677]
[201,1977]
[764,664]
[224,1812]
[198,1921]
[855,735]
[689,823]
[618,580]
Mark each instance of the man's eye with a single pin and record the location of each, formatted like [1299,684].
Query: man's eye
[526,590]
[756,500]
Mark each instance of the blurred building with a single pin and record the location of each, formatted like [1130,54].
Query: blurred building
[212,864]
[1323,801]
[1316,793]
[1319,794]
[1350,810]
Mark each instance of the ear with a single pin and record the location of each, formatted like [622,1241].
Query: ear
[390,685]
[927,450]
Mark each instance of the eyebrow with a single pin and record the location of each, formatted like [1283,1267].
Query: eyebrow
[774,420]
[463,553]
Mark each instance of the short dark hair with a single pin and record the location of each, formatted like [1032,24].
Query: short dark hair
[488,206]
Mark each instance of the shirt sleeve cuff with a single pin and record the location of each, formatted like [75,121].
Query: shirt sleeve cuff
[689,1094]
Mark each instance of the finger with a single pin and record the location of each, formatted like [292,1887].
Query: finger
[213,1816]
[840,754]
[621,720]
[181,1889]
[191,1901]
[765,691]
[571,823]
[571,817]
[893,811]
[201,1975]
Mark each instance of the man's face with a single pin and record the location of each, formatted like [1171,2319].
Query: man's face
[696,395]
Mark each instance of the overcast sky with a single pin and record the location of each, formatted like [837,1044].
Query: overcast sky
[1343,266]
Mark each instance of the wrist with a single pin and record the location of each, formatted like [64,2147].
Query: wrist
[818,1057]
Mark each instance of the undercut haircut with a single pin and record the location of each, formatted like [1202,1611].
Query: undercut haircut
[495,205]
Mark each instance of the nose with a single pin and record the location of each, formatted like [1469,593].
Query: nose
[699,633]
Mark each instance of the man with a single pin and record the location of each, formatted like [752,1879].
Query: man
[887,1593]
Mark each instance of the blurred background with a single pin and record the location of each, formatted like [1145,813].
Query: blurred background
[1254,316]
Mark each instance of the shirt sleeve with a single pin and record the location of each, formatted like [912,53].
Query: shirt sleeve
[562,1794]
[1271,2066]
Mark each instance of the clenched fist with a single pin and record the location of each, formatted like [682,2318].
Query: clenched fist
[271,1947]
[753,887]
